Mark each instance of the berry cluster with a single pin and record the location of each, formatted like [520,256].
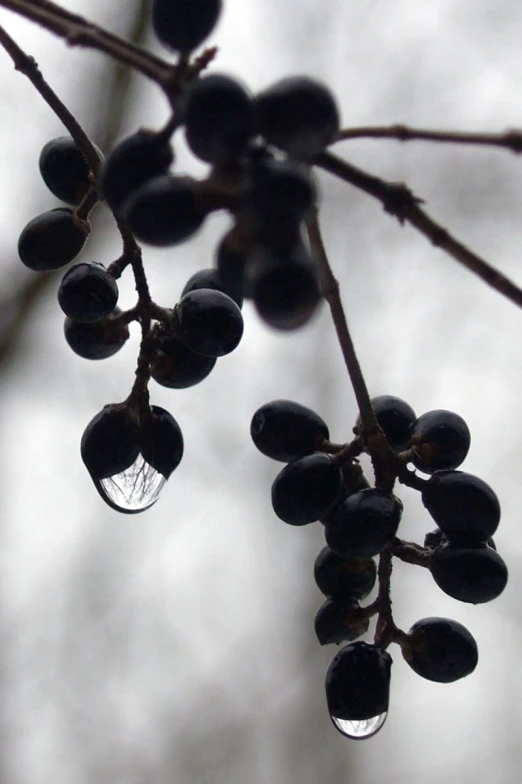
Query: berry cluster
[324,481]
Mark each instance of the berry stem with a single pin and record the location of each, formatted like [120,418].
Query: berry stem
[510,140]
[398,200]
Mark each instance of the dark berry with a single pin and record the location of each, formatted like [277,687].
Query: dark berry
[219,118]
[362,524]
[64,170]
[231,258]
[174,365]
[440,649]
[284,286]
[306,488]
[298,114]
[52,239]
[182,25]
[284,430]
[474,573]
[358,682]
[340,578]
[161,441]
[136,159]
[165,211]
[98,340]
[337,621]
[463,506]
[111,441]
[87,292]
[395,417]
[440,440]
[211,279]
[208,322]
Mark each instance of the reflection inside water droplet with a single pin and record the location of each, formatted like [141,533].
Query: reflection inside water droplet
[359,729]
[133,490]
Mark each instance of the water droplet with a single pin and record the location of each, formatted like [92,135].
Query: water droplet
[133,490]
[359,729]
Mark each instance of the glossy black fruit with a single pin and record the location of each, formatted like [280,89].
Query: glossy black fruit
[208,322]
[342,579]
[306,488]
[64,170]
[440,440]
[440,649]
[98,340]
[299,115]
[175,366]
[211,279]
[87,292]
[336,622]
[111,441]
[358,682]
[284,430]
[164,211]
[135,160]
[474,573]
[161,441]
[361,525]
[395,417]
[52,239]
[182,25]
[463,506]
[284,285]
[219,118]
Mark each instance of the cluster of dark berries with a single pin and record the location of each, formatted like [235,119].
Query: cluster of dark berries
[323,481]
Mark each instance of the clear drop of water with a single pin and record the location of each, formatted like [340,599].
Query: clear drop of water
[133,490]
[359,729]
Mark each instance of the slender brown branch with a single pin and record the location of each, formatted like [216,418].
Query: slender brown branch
[78,31]
[509,140]
[398,200]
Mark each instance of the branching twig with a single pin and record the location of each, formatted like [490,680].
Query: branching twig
[510,140]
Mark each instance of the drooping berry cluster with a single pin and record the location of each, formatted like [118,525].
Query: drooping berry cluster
[323,481]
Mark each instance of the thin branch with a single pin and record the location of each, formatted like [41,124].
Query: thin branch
[399,201]
[78,31]
[509,140]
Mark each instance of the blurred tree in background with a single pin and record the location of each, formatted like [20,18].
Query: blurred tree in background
[178,645]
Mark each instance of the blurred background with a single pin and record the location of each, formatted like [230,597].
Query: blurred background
[177,646]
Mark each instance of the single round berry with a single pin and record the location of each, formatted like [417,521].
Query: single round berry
[161,441]
[362,524]
[463,506]
[299,115]
[87,292]
[440,649]
[342,579]
[98,340]
[136,159]
[474,573]
[440,440]
[219,118]
[337,621]
[306,488]
[358,682]
[64,170]
[174,365]
[182,25]
[111,441]
[395,417]
[164,211]
[52,239]
[284,430]
[284,286]
[211,279]
[208,322]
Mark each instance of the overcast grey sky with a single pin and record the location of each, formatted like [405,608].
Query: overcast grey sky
[178,645]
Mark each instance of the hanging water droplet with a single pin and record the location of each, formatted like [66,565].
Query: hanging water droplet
[359,729]
[133,490]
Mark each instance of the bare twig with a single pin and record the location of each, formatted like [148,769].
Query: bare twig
[509,140]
